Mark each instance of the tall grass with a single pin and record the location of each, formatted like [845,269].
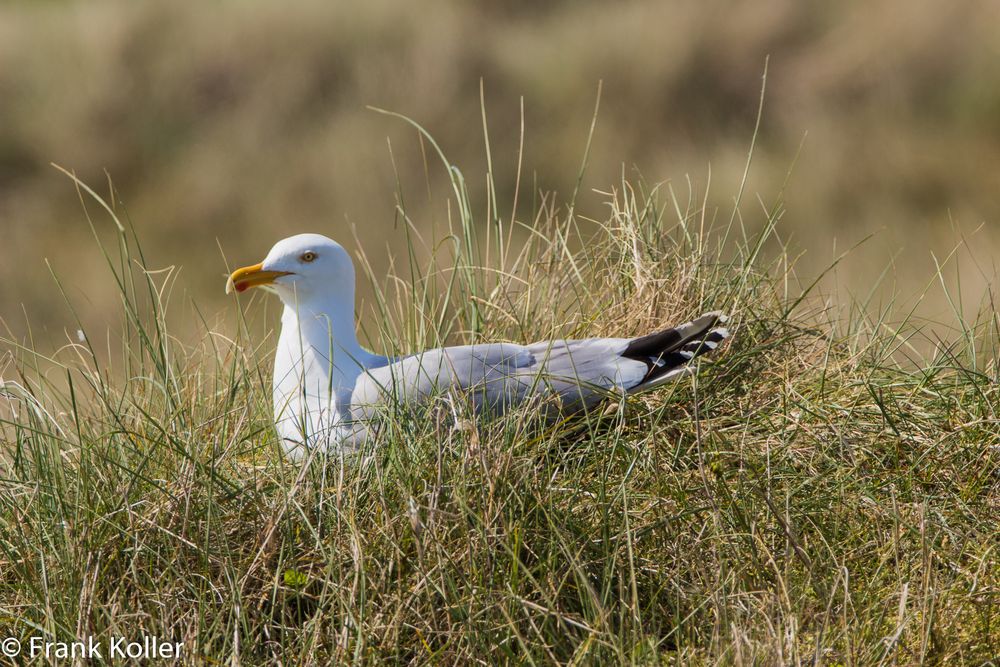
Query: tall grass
[814,496]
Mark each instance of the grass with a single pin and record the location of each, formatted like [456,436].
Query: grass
[820,494]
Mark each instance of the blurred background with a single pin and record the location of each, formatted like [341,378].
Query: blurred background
[226,126]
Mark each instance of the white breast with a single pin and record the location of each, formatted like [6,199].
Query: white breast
[313,381]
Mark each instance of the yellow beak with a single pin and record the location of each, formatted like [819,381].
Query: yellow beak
[252,276]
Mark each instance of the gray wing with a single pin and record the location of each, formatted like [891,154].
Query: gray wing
[578,373]
[490,375]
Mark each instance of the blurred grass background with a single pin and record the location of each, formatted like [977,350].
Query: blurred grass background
[231,125]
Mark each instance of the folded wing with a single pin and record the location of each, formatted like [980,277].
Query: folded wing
[495,377]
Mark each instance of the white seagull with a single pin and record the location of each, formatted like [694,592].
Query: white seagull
[327,388]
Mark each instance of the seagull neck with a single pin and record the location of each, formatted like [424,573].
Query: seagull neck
[326,327]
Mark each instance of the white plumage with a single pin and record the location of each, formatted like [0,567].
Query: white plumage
[327,387]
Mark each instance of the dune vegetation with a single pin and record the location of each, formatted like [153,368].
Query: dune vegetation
[823,492]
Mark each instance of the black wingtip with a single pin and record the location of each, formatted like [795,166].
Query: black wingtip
[668,350]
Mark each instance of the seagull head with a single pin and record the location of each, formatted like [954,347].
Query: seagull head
[300,268]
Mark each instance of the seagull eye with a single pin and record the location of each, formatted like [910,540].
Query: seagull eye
[308,256]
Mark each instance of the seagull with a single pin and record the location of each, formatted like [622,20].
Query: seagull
[328,390]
